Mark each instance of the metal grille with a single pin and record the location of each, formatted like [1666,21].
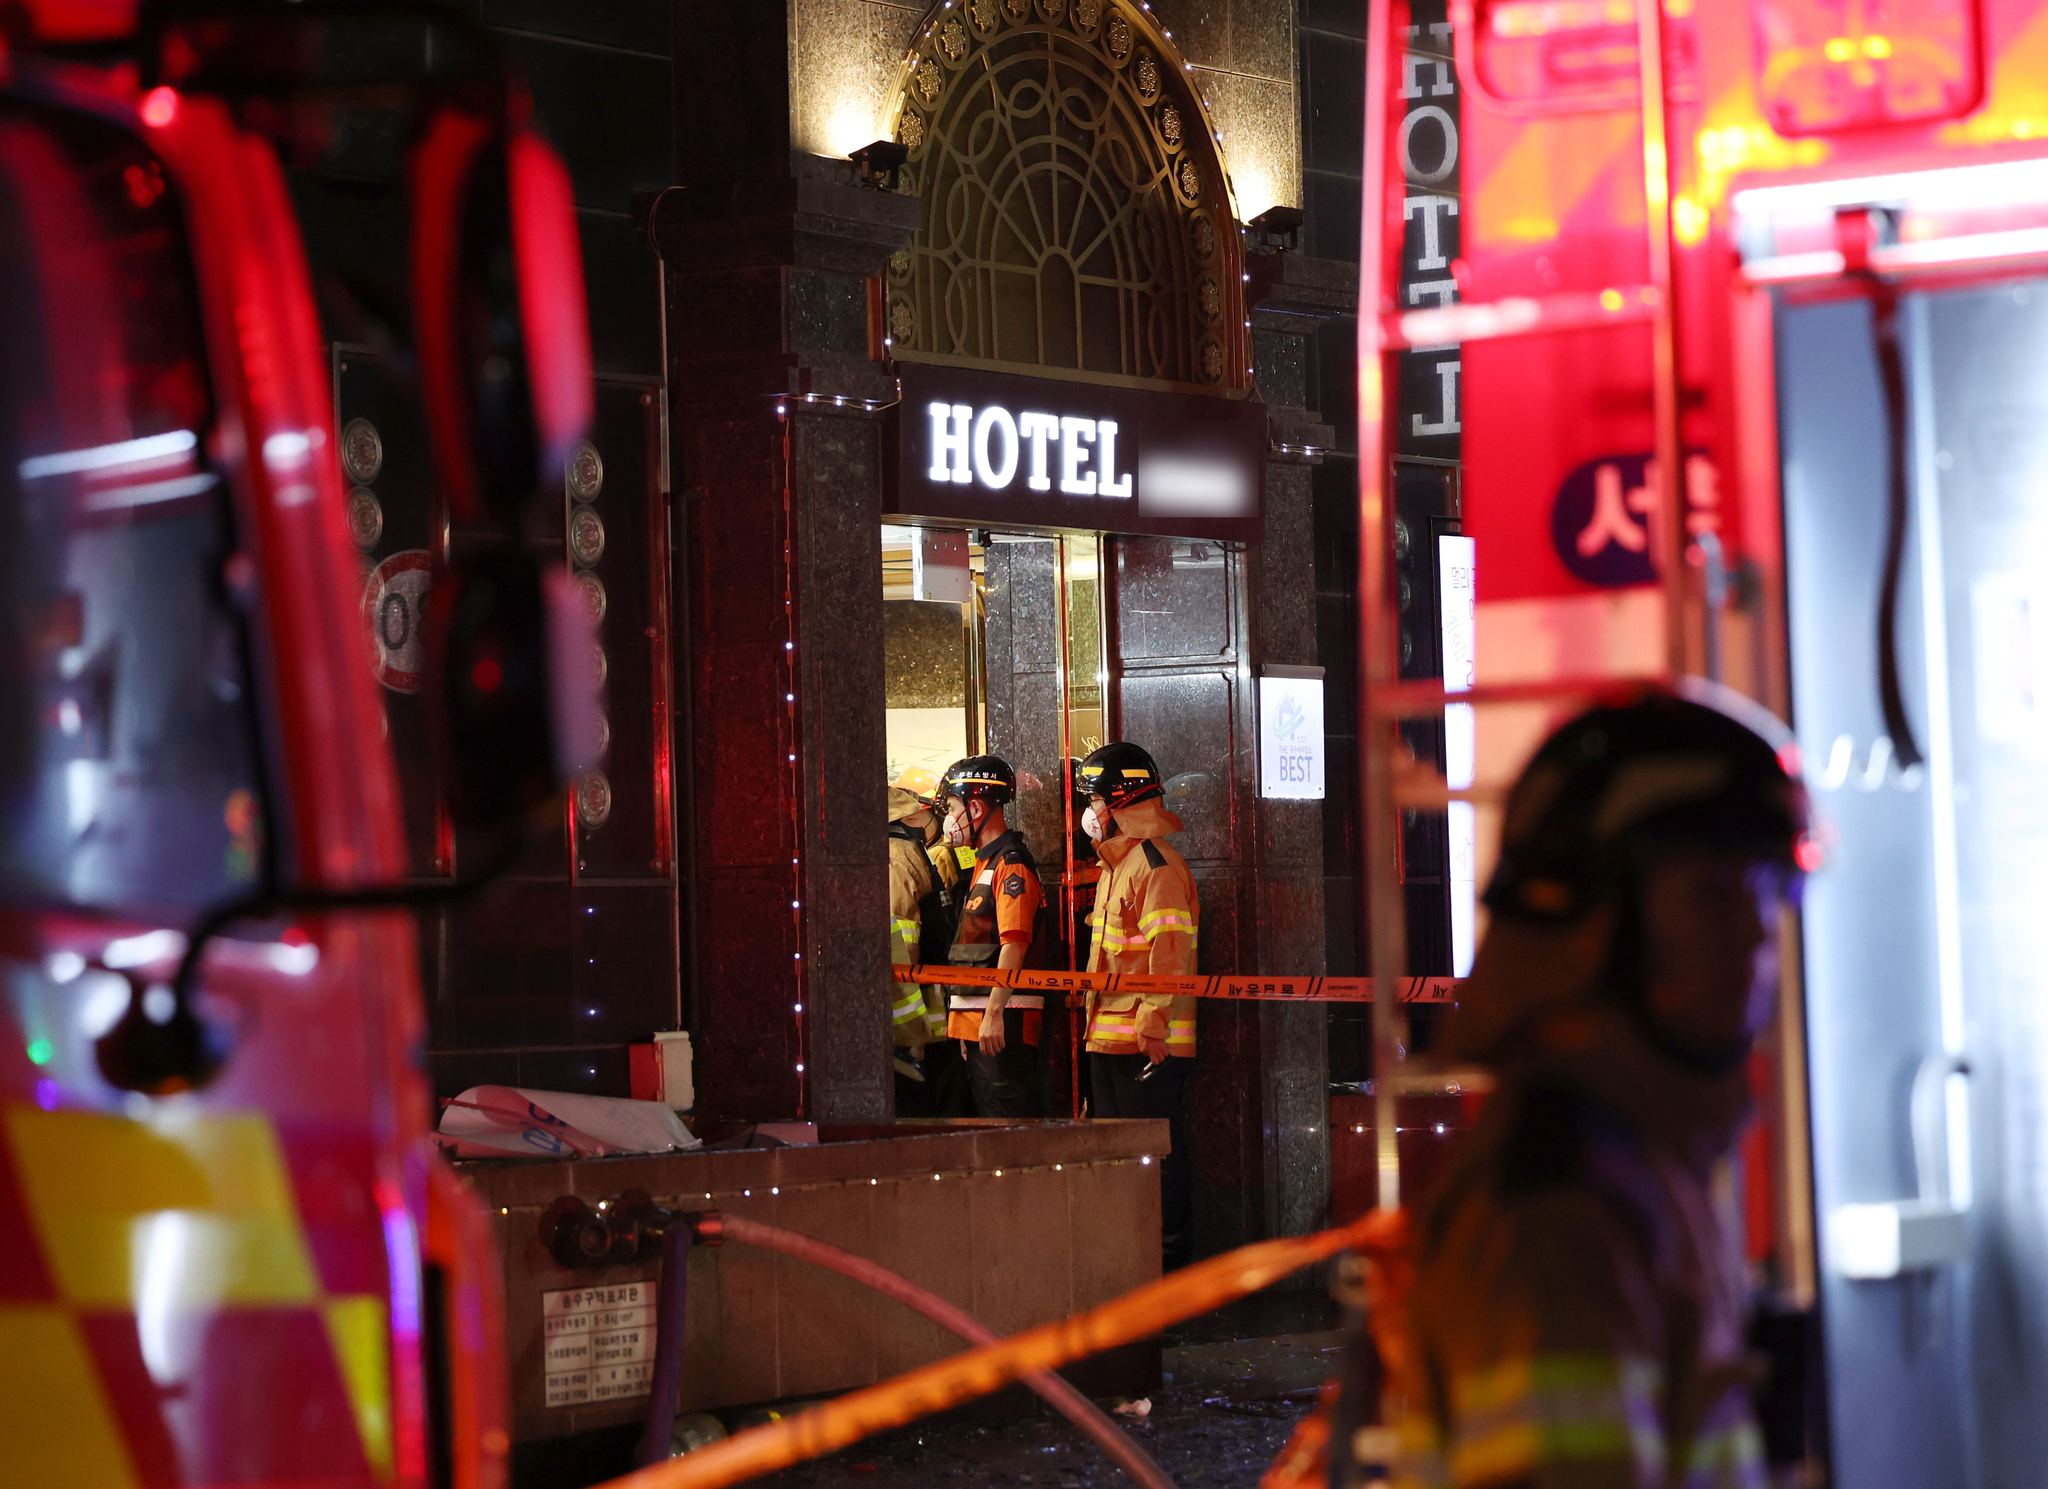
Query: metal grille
[1077,215]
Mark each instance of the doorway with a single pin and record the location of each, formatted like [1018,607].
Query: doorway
[995,643]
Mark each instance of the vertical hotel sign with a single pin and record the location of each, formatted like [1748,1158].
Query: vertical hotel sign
[1426,144]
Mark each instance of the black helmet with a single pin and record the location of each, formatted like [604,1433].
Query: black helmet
[1122,775]
[981,776]
[1709,770]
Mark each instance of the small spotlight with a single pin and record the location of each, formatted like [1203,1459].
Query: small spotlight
[878,163]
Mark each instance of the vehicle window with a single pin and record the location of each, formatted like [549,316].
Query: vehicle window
[128,747]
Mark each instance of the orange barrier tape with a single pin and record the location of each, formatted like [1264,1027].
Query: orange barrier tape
[1280,989]
[832,1425]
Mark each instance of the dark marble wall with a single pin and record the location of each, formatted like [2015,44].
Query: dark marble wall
[768,255]
[546,978]
[925,654]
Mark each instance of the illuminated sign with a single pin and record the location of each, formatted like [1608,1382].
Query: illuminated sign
[1007,451]
[1291,733]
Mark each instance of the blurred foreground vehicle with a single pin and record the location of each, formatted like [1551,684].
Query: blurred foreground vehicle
[1746,319]
[228,1252]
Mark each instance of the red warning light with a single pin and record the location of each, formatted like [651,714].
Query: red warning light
[1823,66]
[159,107]
[486,675]
[1557,53]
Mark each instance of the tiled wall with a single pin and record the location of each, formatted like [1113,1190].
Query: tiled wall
[547,978]
[845,57]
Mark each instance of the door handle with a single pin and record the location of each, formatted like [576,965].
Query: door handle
[1873,1241]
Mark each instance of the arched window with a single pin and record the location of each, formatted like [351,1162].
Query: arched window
[1076,212]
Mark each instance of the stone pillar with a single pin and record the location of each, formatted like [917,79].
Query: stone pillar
[776,451]
[1290,296]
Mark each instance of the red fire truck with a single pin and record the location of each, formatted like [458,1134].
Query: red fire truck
[1745,326]
[228,1252]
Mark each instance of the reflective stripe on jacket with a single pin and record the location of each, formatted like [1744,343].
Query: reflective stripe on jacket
[914,1012]
[1147,919]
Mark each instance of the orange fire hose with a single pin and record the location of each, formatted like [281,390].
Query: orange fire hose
[832,1425]
[1070,1403]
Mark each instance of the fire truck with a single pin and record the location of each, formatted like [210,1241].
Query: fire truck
[1745,321]
[228,1251]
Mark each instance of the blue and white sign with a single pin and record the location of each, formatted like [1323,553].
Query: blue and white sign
[1291,734]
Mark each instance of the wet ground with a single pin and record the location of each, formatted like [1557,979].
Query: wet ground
[1226,1409]
[1236,1382]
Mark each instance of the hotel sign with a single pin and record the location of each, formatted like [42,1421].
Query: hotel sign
[1001,450]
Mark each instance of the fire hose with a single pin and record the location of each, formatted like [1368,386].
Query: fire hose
[1070,1403]
[634,1227]
[835,1424]
[1276,989]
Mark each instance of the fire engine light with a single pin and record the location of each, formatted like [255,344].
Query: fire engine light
[1610,301]
[140,951]
[1824,72]
[1146,1159]
[159,107]
[40,1051]
[1808,854]
[1689,221]
[999,1173]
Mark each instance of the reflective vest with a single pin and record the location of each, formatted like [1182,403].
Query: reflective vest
[920,916]
[1001,905]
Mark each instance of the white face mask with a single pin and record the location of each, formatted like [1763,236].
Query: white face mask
[1098,825]
[960,827]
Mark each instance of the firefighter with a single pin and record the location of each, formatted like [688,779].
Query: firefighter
[927,787]
[1141,1046]
[931,1080]
[1085,873]
[1576,1312]
[1000,925]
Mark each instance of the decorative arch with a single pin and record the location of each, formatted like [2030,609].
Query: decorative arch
[1077,217]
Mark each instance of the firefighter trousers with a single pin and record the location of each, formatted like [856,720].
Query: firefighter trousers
[1115,1091]
[944,1091]
[1012,1083]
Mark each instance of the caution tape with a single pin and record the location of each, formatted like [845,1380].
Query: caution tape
[1278,989]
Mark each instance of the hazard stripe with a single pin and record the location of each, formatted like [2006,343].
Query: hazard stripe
[1279,989]
[55,1417]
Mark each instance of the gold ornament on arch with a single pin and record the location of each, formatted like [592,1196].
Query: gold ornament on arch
[1077,213]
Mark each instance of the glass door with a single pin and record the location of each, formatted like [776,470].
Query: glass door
[994,644]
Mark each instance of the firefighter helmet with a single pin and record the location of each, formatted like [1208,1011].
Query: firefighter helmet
[1702,768]
[1122,775]
[983,777]
[919,782]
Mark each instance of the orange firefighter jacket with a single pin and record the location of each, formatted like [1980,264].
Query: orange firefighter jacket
[1147,917]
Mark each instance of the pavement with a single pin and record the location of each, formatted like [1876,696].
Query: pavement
[1225,1410]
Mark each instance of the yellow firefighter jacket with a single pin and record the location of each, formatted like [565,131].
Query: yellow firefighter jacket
[1147,916]
[916,1013]
[1576,1315]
